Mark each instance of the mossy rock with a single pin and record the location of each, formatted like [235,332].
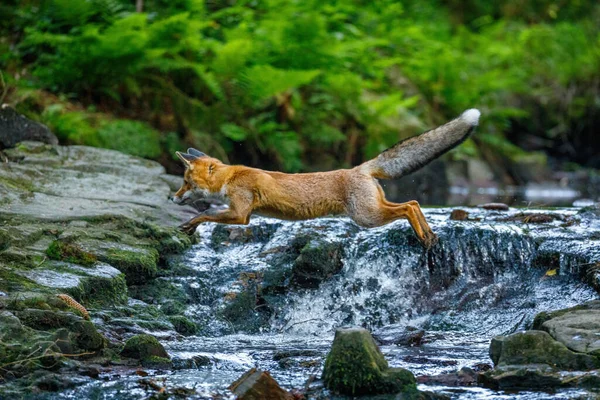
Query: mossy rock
[138,266]
[318,260]
[86,336]
[143,347]
[538,347]
[100,291]
[355,366]
[70,252]
[183,325]
[155,362]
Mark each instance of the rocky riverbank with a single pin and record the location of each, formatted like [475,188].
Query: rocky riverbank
[91,224]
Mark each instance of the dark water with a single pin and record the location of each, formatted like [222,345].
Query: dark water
[484,279]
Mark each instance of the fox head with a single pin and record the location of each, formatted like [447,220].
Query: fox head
[198,176]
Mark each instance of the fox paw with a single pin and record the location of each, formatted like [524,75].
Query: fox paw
[188,229]
[430,240]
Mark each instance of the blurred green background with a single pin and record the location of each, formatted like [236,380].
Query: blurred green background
[307,85]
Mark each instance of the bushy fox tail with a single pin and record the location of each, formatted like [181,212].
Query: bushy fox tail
[413,153]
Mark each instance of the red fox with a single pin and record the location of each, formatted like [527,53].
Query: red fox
[353,192]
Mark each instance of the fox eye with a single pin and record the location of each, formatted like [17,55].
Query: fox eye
[211,169]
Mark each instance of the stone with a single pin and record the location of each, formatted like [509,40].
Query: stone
[459,215]
[355,366]
[144,347]
[318,260]
[578,328]
[494,206]
[15,128]
[183,325]
[258,385]
[538,347]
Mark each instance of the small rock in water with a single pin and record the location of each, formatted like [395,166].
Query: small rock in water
[459,215]
[463,377]
[494,206]
[410,337]
[258,385]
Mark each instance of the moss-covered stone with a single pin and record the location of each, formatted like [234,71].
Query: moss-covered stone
[70,252]
[183,325]
[538,347]
[143,347]
[101,291]
[4,240]
[138,266]
[155,362]
[318,260]
[87,337]
[355,366]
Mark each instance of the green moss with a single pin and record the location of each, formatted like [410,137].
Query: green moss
[355,366]
[70,252]
[143,347]
[183,325]
[87,337]
[99,291]
[155,362]
[138,266]
[12,282]
[318,260]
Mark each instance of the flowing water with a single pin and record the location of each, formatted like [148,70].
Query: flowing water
[487,276]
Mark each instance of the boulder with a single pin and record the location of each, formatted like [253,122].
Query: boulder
[578,328]
[258,385]
[355,366]
[144,348]
[538,347]
[15,128]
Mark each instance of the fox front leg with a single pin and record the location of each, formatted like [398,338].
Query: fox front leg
[223,217]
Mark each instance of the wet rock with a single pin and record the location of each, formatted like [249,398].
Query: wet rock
[355,366]
[258,385]
[318,260]
[224,235]
[144,348]
[138,264]
[578,328]
[524,378]
[409,337]
[294,353]
[15,128]
[183,325]
[65,251]
[538,347]
[494,206]
[459,215]
[464,377]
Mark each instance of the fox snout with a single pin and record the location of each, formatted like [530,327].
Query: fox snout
[181,200]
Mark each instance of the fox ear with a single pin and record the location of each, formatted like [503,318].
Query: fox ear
[195,153]
[186,158]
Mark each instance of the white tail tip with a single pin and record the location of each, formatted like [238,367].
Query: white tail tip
[471,116]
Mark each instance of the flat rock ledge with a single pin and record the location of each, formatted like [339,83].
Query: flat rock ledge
[560,351]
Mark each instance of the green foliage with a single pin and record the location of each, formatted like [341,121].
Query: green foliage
[281,79]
